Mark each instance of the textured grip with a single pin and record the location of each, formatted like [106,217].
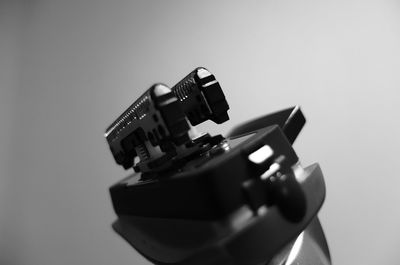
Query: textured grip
[201,97]
[191,98]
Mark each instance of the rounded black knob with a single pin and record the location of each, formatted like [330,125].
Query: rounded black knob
[284,191]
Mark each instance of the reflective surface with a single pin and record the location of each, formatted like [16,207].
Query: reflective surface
[310,248]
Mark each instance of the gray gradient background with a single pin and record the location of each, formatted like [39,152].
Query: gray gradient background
[68,68]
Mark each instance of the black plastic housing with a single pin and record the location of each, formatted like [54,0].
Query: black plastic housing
[243,237]
[207,190]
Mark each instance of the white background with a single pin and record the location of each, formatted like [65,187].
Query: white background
[68,68]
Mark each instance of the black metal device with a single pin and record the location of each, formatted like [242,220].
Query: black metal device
[194,198]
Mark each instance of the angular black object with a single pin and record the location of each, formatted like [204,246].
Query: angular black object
[202,199]
[290,120]
[211,186]
[157,124]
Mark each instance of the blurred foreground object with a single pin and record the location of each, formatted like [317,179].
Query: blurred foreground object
[194,198]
